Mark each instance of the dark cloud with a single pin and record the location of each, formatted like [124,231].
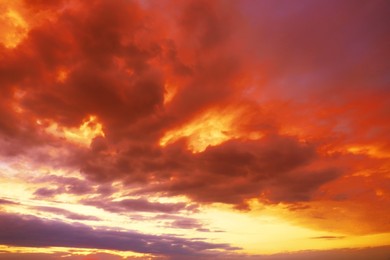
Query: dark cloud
[47,192]
[141,204]
[239,170]
[29,231]
[66,213]
[300,186]
[55,256]
[230,173]
[187,223]
[64,184]
[7,202]
[88,49]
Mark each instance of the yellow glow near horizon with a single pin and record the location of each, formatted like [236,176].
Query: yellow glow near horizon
[269,231]
[68,251]
[256,234]
[210,129]
[13,187]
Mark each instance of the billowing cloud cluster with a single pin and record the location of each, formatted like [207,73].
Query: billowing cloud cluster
[216,101]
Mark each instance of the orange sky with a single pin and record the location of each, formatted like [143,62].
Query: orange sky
[194,129]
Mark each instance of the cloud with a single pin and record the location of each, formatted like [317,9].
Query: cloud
[54,256]
[138,205]
[66,213]
[62,184]
[309,88]
[29,256]
[7,202]
[189,223]
[275,165]
[380,253]
[238,170]
[30,231]
[46,192]
[282,106]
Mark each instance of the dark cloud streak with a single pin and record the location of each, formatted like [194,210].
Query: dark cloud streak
[29,231]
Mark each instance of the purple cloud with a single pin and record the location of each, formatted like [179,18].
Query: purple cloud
[31,231]
[66,213]
[140,204]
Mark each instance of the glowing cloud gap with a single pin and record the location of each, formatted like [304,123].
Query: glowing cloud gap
[211,128]
[83,135]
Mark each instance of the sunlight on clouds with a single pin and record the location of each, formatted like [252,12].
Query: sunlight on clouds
[16,21]
[11,185]
[83,135]
[267,229]
[370,150]
[14,189]
[18,184]
[293,131]
[212,128]
[13,27]
[62,75]
[169,93]
[90,129]
[138,122]
[379,193]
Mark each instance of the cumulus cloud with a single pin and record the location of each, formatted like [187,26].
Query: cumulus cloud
[306,99]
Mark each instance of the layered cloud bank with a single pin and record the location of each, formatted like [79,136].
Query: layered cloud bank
[143,118]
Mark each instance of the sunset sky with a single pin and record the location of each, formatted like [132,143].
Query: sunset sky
[194,129]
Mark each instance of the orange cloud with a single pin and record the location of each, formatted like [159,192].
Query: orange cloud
[213,127]
[84,134]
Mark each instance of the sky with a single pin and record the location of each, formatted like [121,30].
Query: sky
[224,129]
